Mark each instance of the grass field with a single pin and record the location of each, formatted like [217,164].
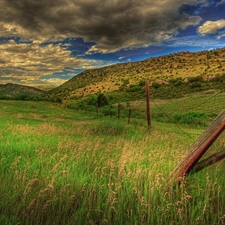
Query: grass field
[61,166]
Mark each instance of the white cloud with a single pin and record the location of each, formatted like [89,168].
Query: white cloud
[221,2]
[31,62]
[94,50]
[195,41]
[211,27]
[220,36]
[53,81]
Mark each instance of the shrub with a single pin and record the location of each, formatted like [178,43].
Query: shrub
[22,97]
[192,118]
[108,110]
[102,100]
[176,82]
[155,85]
[218,79]
[195,79]
[136,88]
[4,97]
[142,83]
[90,100]
[125,82]
[196,85]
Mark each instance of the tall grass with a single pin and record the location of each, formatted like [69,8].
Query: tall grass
[73,169]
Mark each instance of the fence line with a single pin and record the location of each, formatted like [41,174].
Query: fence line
[190,115]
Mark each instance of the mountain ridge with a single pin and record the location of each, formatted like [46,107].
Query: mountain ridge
[10,90]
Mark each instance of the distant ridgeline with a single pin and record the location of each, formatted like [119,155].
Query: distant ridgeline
[20,92]
[169,76]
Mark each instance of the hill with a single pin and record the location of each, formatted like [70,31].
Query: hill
[45,87]
[20,92]
[122,78]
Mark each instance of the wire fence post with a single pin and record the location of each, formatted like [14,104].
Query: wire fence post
[148,104]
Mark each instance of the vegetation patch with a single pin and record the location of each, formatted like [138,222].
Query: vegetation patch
[110,128]
[193,118]
[89,170]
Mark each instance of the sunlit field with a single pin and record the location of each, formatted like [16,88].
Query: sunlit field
[61,166]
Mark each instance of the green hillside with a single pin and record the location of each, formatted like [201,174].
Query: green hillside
[20,92]
[194,69]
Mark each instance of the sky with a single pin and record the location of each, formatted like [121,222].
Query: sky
[47,42]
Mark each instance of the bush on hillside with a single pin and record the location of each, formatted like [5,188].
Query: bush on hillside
[22,97]
[102,100]
[4,97]
[108,110]
[192,118]
[177,81]
[89,103]
[195,79]
[136,88]
[196,84]
[155,85]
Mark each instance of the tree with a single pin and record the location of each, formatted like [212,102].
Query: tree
[22,97]
[58,100]
[102,100]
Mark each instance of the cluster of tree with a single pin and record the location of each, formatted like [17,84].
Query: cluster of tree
[90,101]
[25,97]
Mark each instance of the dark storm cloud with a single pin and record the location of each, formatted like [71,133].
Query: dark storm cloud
[111,24]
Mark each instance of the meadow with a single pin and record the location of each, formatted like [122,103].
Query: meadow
[65,166]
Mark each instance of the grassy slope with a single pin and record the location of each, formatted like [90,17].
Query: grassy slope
[60,166]
[13,90]
[161,70]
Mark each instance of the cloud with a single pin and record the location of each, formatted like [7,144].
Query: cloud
[220,36]
[111,24]
[53,81]
[221,2]
[31,61]
[211,27]
[196,42]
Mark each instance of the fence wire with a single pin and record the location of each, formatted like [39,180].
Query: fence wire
[189,115]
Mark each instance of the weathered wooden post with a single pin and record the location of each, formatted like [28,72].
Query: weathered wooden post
[190,160]
[208,162]
[148,104]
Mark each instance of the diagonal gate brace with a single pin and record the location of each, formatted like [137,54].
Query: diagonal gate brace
[208,162]
[199,148]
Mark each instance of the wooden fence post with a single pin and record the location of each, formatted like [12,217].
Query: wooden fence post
[208,162]
[190,160]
